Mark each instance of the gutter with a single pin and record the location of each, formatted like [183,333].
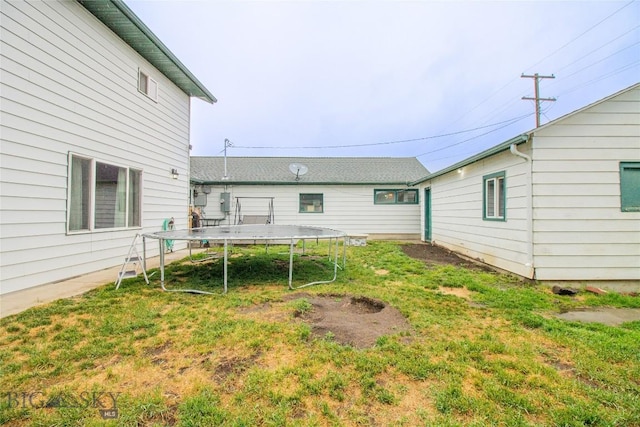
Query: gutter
[529,264]
[483,155]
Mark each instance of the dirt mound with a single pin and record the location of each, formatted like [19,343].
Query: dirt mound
[351,320]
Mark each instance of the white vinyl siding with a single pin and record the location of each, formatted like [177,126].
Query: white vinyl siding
[457,219]
[349,208]
[580,230]
[565,209]
[69,84]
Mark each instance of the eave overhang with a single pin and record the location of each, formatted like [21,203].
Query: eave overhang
[121,20]
[483,155]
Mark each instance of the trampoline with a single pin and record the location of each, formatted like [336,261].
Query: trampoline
[230,234]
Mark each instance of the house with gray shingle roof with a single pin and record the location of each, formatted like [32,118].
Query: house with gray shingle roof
[359,195]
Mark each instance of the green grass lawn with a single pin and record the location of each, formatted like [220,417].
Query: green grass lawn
[493,355]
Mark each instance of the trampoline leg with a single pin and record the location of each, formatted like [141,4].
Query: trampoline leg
[144,255]
[291,264]
[161,241]
[225,266]
[344,252]
[335,265]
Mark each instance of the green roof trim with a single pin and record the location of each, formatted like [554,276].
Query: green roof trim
[121,20]
[519,139]
[483,155]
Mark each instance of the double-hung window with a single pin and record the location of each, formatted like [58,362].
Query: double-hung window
[494,197]
[102,195]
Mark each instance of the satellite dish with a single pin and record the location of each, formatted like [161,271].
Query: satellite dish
[298,169]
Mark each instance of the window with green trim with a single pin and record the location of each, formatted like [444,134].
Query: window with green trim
[311,203]
[494,197]
[630,186]
[395,197]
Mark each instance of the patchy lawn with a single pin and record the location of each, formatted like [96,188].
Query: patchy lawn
[396,340]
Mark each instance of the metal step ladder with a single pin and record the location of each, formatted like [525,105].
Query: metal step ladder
[132,261]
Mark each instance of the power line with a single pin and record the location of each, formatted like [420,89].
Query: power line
[602,77]
[549,55]
[582,34]
[474,137]
[602,59]
[600,47]
[509,121]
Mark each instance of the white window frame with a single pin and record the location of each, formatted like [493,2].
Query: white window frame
[147,85]
[91,220]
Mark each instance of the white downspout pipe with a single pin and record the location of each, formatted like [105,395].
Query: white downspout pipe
[531,268]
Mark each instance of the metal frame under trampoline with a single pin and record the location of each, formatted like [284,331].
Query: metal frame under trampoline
[235,233]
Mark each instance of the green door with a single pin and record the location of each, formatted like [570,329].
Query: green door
[427,214]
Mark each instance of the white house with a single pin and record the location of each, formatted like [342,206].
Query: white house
[94,123]
[559,203]
[364,195]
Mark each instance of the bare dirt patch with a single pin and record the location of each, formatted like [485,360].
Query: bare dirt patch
[351,320]
[436,255]
[463,293]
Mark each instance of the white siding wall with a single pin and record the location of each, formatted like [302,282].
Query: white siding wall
[68,84]
[457,206]
[349,208]
[580,232]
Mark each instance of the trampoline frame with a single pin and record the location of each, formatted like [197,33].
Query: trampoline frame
[234,233]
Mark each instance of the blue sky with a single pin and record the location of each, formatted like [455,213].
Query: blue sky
[435,80]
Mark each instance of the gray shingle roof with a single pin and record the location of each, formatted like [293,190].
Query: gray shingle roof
[321,170]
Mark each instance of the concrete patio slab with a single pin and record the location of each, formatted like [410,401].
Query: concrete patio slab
[608,316]
[16,302]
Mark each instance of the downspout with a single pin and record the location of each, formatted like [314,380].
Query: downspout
[529,264]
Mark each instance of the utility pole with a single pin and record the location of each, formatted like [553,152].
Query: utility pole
[227,144]
[537,98]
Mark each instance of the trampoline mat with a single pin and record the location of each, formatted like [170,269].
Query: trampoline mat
[249,232]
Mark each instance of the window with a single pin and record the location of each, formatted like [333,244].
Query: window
[311,203]
[494,197]
[630,186]
[395,197]
[102,196]
[79,193]
[147,85]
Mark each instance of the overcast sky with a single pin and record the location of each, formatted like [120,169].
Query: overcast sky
[390,78]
